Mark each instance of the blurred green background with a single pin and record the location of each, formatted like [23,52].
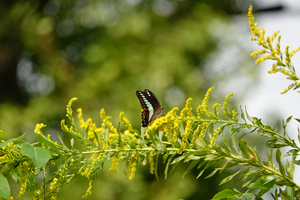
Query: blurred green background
[102,52]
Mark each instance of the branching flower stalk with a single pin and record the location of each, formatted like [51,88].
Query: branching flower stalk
[282,60]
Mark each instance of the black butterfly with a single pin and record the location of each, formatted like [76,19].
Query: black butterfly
[151,106]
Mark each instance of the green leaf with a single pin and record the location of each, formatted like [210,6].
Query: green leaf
[213,173]
[248,196]
[168,164]
[225,194]
[40,156]
[278,159]
[289,119]
[290,168]
[4,187]
[228,178]
[178,159]
[49,143]
[298,120]
[233,143]
[191,166]
[155,171]
[124,169]
[237,130]
[248,116]
[225,142]
[290,192]
[244,148]
[243,115]
[62,141]
[12,140]
[264,183]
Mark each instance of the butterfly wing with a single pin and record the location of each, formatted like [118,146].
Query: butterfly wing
[151,106]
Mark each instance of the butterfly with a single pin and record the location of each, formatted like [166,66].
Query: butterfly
[151,106]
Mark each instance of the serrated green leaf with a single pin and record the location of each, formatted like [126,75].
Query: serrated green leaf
[40,156]
[278,159]
[4,187]
[12,140]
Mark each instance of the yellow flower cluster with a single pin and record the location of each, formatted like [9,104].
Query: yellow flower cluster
[281,64]
[151,162]
[125,121]
[132,163]
[204,105]
[224,108]
[38,127]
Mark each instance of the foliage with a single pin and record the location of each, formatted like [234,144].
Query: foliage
[178,137]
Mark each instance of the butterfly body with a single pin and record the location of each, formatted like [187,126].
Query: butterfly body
[151,106]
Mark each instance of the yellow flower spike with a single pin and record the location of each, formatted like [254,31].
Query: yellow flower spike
[114,164]
[89,190]
[205,102]
[132,163]
[196,132]
[290,87]
[215,135]
[287,56]
[151,163]
[203,129]
[215,112]
[263,58]
[199,111]
[125,121]
[294,51]
[224,108]
[258,52]
[183,112]
[275,33]
[69,107]
[234,114]
[102,114]
[185,135]
[38,127]
[175,130]
[188,106]
[80,118]
[157,123]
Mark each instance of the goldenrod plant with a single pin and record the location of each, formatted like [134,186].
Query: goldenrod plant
[202,138]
